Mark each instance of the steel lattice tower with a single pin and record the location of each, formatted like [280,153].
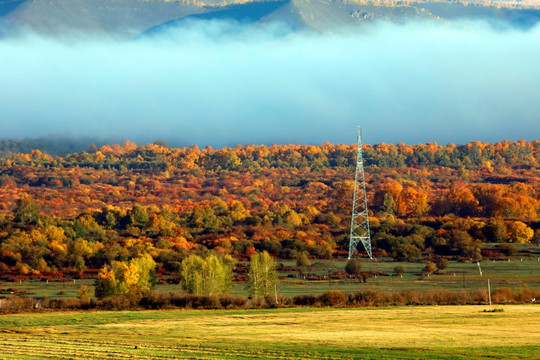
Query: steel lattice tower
[360,218]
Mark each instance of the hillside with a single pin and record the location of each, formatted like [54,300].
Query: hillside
[115,202]
[128,18]
[115,17]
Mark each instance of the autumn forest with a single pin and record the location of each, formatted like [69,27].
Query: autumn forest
[73,214]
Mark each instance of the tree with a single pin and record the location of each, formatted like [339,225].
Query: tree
[302,261]
[106,283]
[146,270]
[237,211]
[84,294]
[262,274]
[26,212]
[211,275]
[124,278]
[140,215]
[191,277]
[466,245]
[412,202]
[399,270]
[519,232]
[353,267]
[388,204]
[507,249]
[460,201]
[429,268]
[442,263]
[404,251]
[495,231]
[536,237]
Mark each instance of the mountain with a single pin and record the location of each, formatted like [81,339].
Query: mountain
[122,18]
[130,18]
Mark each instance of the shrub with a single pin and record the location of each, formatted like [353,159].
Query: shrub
[233,301]
[154,300]
[493,310]
[65,304]
[334,298]
[525,295]
[179,300]
[370,297]
[205,302]
[305,300]
[399,270]
[410,297]
[503,295]
[115,302]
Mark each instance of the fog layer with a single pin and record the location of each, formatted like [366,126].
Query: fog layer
[217,83]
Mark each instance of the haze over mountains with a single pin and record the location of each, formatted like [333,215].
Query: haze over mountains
[288,71]
[128,18]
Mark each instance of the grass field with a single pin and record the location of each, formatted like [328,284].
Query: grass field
[444,332]
[459,276]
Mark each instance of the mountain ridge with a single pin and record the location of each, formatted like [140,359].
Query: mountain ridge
[131,18]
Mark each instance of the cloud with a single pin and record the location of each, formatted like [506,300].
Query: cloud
[221,83]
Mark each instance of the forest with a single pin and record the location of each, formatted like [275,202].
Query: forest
[74,214]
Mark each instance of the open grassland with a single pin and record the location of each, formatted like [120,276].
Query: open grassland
[459,276]
[443,332]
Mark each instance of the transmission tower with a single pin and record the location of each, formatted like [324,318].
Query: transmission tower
[360,218]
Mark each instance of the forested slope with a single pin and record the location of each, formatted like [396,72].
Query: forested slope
[117,202]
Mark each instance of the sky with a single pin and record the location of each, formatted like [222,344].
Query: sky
[221,84]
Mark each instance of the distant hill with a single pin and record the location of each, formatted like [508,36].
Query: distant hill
[130,18]
[115,17]
[301,14]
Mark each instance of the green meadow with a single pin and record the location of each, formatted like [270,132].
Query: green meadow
[458,276]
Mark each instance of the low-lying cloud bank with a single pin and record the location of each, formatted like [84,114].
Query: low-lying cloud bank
[220,84]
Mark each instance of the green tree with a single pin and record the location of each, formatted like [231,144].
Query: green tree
[26,212]
[442,263]
[191,277]
[203,217]
[146,269]
[140,215]
[353,267]
[466,245]
[302,261]
[403,251]
[262,274]
[388,204]
[84,294]
[211,275]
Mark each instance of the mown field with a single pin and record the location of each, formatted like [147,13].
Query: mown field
[459,276]
[443,332]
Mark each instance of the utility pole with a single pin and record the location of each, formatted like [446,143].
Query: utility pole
[489,293]
[359,218]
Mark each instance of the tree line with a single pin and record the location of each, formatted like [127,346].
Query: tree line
[209,275]
[77,213]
